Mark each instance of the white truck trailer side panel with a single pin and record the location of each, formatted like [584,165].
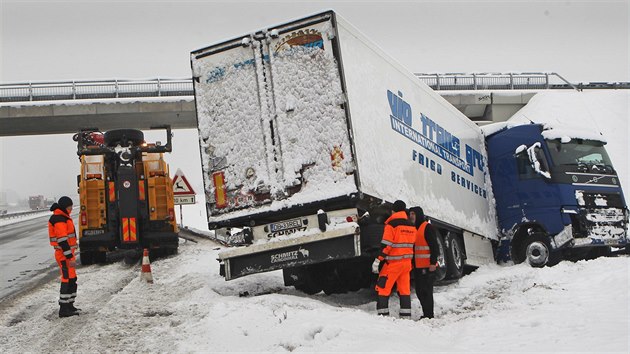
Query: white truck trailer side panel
[410,143]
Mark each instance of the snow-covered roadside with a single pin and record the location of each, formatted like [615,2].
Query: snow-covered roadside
[571,307]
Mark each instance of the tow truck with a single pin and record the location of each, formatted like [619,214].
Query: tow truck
[126,195]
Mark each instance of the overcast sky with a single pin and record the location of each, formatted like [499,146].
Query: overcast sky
[71,40]
[61,40]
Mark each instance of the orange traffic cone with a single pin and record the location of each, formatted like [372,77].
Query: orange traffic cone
[146,267]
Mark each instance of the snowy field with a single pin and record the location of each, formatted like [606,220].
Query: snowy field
[572,307]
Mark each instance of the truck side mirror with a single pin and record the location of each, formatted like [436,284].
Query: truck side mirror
[538,160]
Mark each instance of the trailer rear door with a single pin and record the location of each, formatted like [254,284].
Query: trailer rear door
[272,120]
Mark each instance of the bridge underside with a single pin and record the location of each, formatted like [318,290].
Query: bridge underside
[487,107]
[57,118]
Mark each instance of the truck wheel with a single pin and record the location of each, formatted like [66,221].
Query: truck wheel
[536,251]
[371,235]
[116,136]
[170,251]
[100,257]
[309,285]
[86,257]
[303,279]
[440,272]
[454,256]
[356,275]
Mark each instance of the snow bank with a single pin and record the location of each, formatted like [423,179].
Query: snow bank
[571,307]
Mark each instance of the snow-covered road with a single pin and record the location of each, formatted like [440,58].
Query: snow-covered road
[571,307]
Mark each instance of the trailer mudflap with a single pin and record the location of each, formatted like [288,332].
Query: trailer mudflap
[330,245]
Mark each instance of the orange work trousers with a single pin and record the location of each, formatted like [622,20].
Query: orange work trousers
[394,272]
[67,267]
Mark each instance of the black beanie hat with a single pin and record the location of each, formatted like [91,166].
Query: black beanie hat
[399,205]
[419,215]
[64,202]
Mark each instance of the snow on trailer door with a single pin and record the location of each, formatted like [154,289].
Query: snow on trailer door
[272,121]
[309,115]
[233,133]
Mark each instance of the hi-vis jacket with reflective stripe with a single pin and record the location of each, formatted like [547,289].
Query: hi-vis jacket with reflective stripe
[398,238]
[424,243]
[61,232]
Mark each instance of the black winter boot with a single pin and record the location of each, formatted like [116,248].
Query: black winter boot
[71,305]
[66,311]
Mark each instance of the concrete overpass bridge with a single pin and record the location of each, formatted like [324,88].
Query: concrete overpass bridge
[66,107]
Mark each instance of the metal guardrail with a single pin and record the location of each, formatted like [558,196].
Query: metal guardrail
[494,81]
[20,214]
[77,90]
[510,81]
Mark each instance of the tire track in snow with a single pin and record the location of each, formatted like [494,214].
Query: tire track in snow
[61,334]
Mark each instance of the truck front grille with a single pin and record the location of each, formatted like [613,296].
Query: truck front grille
[604,223]
[597,199]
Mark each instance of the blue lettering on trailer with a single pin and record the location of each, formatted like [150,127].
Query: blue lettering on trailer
[426,143]
[218,72]
[426,162]
[468,184]
[433,137]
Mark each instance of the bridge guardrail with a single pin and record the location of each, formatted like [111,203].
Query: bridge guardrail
[76,90]
[495,81]
[101,89]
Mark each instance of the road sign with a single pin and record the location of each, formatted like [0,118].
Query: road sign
[181,185]
[184,199]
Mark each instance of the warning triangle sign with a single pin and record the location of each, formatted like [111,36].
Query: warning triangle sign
[181,185]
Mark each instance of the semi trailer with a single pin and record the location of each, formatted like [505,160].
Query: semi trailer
[309,132]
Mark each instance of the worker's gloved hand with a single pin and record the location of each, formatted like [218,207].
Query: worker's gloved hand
[375,265]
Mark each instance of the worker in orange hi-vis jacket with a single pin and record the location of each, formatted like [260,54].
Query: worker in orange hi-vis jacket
[63,239]
[396,254]
[426,252]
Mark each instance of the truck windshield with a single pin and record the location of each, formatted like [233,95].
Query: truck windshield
[581,156]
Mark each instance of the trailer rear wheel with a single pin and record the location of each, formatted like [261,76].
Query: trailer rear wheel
[356,275]
[440,271]
[303,279]
[454,256]
[332,283]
